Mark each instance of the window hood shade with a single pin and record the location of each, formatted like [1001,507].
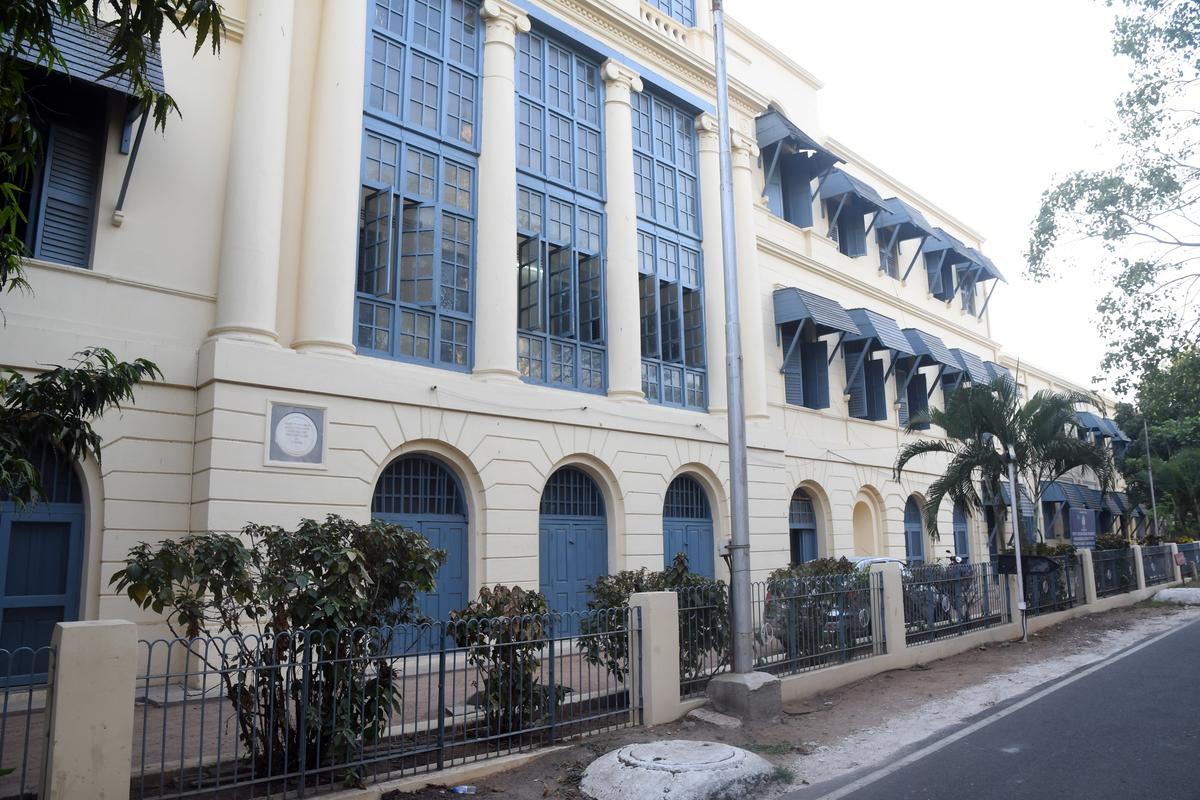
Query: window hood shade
[972,365]
[897,213]
[797,305]
[932,349]
[883,330]
[773,127]
[839,183]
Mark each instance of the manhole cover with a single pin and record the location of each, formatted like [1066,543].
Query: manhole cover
[675,770]
[681,756]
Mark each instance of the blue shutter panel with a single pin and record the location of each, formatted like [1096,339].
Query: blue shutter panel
[934,270]
[857,389]
[902,393]
[67,208]
[918,398]
[793,374]
[856,231]
[876,391]
[797,190]
[816,374]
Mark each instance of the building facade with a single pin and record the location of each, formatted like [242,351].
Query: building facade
[458,265]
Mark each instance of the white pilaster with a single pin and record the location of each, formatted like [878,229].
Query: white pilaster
[624,314]
[248,278]
[496,227]
[714,260]
[329,243]
[750,301]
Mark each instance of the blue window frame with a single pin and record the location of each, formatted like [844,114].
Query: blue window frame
[682,11]
[802,527]
[560,217]
[414,292]
[669,261]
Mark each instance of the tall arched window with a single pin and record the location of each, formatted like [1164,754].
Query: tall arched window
[802,527]
[914,531]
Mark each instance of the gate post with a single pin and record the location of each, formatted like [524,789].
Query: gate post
[1088,573]
[657,671]
[1138,567]
[892,613]
[89,711]
[1176,570]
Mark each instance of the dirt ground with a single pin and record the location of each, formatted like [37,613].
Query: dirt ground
[864,722]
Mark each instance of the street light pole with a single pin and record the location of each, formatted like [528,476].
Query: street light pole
[1150,469]
[739,522]
[1010,455]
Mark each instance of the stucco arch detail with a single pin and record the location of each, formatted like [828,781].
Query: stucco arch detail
[614,501]
[868,521]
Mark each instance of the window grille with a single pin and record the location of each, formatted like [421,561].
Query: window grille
[571,492]
[57,476]
[686,499]
[420,486]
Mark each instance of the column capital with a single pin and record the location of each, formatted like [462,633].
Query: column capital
[502,19]
[618,75]
[743,145]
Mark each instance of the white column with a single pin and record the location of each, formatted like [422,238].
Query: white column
[714,260]
[329,239]
[248,280]
[620,211]
[496,228]
[750,301]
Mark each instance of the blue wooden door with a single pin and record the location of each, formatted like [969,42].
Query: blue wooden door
[693,538]
[447,533]
[914,533]
[572,554]
[39,583]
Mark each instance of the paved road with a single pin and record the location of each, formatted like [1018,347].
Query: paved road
[1127,730]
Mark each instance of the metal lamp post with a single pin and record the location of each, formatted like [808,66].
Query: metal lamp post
[1010,456]
[1150,469]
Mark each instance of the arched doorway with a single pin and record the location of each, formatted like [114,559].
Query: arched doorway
[419,492]
[42,574]
[573,539]
[914,532]
[962,540]
[864,530]
[687,526]
[802,527]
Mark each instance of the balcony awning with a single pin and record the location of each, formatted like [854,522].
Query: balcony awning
[773,127]
[955,251]
[883,331]
[987,268]
[1090,422]
[972,364]
[1111,429]
[797,305]
[931,349]
[84,50]
[908,222]
[839,183]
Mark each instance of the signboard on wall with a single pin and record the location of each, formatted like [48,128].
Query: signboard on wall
[1083,528]
[295,435]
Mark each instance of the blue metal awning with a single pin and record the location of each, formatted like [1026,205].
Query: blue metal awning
[797,305]
[838,183]
[909,222]
[883,330]
[973,366]
[84,50]
[1052,492]
[956,251]
[987,268]
[1025,506]
[772,127]
[1089,422]
[1111,429]
[1080,496]
[931,348]
[998,371]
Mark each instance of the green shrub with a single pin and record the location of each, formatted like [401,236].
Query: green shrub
[703,618]
[1111,541]
[322,600]
[1059,549]
[506,633]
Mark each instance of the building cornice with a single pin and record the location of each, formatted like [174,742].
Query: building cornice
[235,28]
[775,53]
[889,300]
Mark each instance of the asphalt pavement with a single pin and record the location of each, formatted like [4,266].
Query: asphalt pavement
[1126,729]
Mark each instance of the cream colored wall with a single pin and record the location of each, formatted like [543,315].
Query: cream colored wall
[189,456]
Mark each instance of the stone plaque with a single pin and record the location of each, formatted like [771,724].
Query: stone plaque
[296,435]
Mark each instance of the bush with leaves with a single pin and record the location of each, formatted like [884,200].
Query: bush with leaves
[704,636]
[505,631]
[1111,541]
[305,619]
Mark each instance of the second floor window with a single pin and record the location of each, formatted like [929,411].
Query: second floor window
[560,217]
[682,11]
[669,261]
[417,213]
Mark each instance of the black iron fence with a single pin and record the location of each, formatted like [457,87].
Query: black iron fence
[293,714]
[1157,564]
[1191,555]
[1054,591]
[944,601]
[24,691]
[808,623]
[1115,571]
[704,637]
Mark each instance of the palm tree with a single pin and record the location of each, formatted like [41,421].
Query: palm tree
[1043,431]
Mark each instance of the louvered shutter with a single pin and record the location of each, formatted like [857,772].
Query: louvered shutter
[816,374]
[855,230]
[67,204]
[918,397]
[934,269]
[856,387]
[793,373]
[876,391]
[797,190]
[902,394]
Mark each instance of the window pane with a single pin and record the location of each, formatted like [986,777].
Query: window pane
[423,83]
[456,265]
[375,236]
[648,289]
[416,254]
[693,328]
[529,285]
[670,322]
[560,305]
[591,303]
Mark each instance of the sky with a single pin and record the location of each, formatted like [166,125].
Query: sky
[976,106]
